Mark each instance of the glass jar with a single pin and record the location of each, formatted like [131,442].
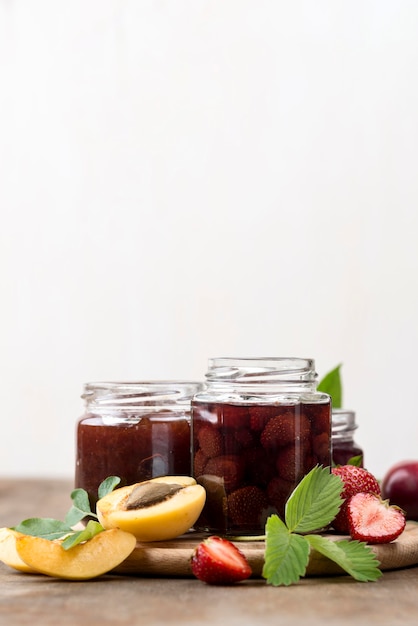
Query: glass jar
[343,445]
[134,430]
[257,429]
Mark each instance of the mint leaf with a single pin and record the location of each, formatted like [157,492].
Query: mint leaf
[80,508]
[50,528]
[93,528]
[108,485]
[286,555]
[81,501]
[74,516]
[331,384]
[314,502]
[354,557]
[45,527]
[81,504]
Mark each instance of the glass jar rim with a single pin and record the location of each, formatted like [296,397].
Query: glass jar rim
[140,394]
[261,369]
[343,421]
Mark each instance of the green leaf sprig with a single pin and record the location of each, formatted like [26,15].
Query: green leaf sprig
[50,528]
[357,460]
[332,385]
[312,506]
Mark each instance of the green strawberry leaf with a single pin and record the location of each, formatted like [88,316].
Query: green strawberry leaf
[354,557]
[355,460]
[314,502]
[93,528]
[312,505]
[286,555]
[331,384]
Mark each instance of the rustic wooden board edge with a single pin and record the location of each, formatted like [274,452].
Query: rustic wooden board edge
[172,558]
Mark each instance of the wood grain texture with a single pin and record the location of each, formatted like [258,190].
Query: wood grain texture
[163,600]
[172,558]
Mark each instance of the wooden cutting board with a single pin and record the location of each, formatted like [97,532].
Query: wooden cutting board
[172,558]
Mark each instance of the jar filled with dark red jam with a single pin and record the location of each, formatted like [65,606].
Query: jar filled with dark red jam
[134,430]
[344,448]
[258,427]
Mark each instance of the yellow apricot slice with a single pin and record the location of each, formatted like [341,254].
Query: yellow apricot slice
[8,552]
[155,510]
[86,560]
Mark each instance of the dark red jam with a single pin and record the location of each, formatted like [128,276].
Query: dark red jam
[343,451]
[154,445]
[343,427]
[251,457]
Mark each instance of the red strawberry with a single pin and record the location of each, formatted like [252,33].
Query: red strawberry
[230,444]
[218,561]
[234,416]
[319,415]
[244,437]
[283,429]
[247,506]
[228,467]
[293,461]
[210,440]
[374,520]
[199,462]
[260,415]
[321,446]
[355,480]
[278,491]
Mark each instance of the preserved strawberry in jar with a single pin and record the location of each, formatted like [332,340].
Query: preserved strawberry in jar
[257,429]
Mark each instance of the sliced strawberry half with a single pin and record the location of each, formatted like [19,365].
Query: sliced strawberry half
[374,520]
[218,561]
[355,480]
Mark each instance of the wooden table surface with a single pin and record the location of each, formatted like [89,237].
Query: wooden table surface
[119,600]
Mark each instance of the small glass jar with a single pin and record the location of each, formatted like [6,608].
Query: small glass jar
[257,429]
[343,445]
[134,430]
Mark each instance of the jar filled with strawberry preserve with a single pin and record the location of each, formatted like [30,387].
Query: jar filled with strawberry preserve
[258,427]
[134,430]
[344,448]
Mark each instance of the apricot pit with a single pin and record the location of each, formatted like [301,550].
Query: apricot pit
[154,510]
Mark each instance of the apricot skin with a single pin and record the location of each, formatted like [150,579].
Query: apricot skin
[159,522]
[8,552]
[90,559]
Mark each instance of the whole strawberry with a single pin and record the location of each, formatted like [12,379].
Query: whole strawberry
[217,561]
[355,480]
[374,520]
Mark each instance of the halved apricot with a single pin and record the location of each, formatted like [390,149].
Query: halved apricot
[8,552]
[155,510]
[87,560]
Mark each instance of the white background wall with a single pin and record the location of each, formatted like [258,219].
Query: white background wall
[183,179]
